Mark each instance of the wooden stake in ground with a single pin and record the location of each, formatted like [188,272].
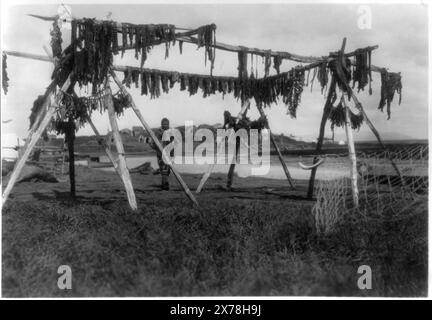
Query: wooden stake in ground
[165,157]
[230,177]
[273,141]
[52,102]
[210,168]
[124,172]
[70,139]
[352,154]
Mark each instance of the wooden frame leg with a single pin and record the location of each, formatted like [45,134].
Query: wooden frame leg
[124,172]
[273,141]
[165,157]
[352,155]
[206,175]
[35,133]
[32,140]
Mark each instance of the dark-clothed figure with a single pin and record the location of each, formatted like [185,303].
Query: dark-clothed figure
[242,123]
[163,167]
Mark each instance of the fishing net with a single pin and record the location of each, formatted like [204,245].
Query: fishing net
[381,190]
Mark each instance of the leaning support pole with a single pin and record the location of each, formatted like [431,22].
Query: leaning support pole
[107,150]
[210,168]
[352,155]
[120,150]
[375,132]
[165,157]
[327,108]
[273,141]
[34,135]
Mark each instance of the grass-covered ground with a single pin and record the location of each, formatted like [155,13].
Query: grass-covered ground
[235,244]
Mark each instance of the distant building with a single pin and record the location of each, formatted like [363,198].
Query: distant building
[126,131]
[137,131]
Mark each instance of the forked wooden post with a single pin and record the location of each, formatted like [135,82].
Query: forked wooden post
[206,175]
[326,111]
[34,135]
[352,155]
[273,141]
[230,177]
[327,108]
[165,157]
[124,172]
[358,105]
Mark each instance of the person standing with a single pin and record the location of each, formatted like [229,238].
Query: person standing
[164,168]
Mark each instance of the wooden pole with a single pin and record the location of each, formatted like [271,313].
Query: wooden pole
[165,157]
[70,138]
[327,108]
[273,141]
[352,155]
[52,102]
[121,68]
[230,177]
[210,168]
[120,150]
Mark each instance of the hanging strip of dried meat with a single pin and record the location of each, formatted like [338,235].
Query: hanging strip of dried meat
[206,36]
[164,82]
[135,78]
[242,64]
[346,70]
[322,75]
[277,61]
[361,70]
[143,84]
[267,63]
[56,40]
[391,83]
[124,38]
[337,117]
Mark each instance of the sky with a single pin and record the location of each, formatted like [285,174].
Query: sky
[400,30]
